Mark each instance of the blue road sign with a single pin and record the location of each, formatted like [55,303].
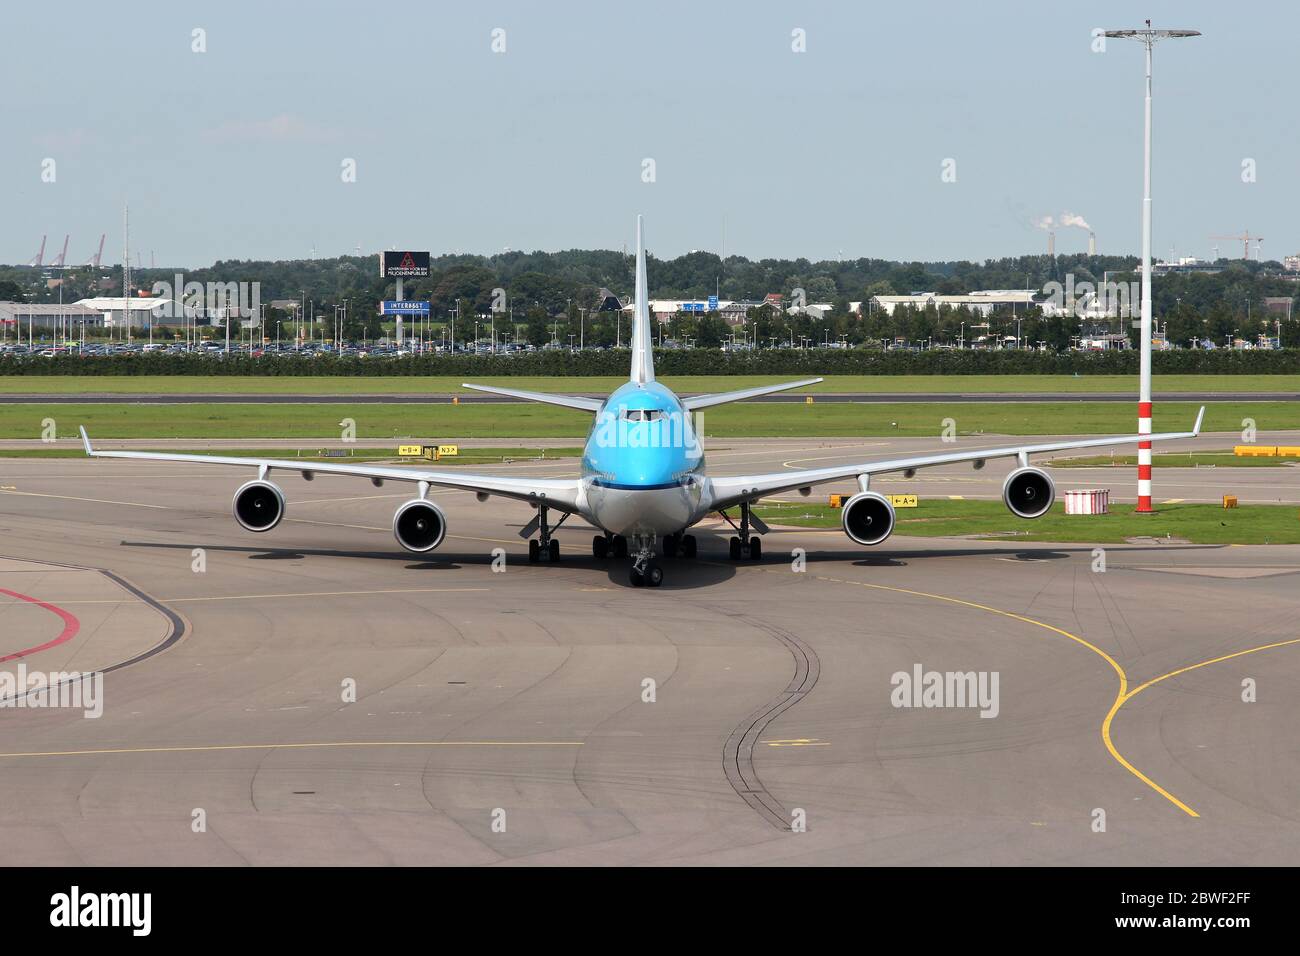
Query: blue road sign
[404,307]
[713,303]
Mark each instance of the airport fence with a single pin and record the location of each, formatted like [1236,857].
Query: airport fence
[697,361]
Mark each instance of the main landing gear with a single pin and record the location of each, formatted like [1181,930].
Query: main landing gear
[608,546]
[543,545]
[743,544]
[679,546]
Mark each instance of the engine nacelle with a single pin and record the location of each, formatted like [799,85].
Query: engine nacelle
[868,518]
[1028,492]
[419,526]
[258,506]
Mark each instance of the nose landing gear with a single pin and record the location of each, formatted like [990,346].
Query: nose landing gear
[645,572]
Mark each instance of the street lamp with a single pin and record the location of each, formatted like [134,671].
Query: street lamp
[1148,37]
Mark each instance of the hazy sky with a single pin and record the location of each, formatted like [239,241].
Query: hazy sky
[238,152]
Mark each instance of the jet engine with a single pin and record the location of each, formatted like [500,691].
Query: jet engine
[258,506]
[1028,492]
[419,526]
[868,518]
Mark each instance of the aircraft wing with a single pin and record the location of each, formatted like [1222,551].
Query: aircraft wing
[548,398]
[558,493]
[728,491]
[721,398]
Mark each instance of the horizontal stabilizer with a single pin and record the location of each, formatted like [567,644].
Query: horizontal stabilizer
[722,398]
[546,398]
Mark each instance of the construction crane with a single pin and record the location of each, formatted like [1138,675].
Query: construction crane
[94,261]
[1245,239]
[39,256]
[63,256]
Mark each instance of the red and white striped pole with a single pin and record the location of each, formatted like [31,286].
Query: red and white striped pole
[1144,366]
[1148,38]
[1144,458]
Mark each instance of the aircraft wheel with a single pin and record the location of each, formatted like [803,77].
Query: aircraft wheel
[670,545]
[654,576]
[755,548]
[599,547]
[620,546]
[689,546]
[637,578]
[554,550]
[735,548]
[534,551]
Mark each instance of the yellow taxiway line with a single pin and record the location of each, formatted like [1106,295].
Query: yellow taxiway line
[1123,696]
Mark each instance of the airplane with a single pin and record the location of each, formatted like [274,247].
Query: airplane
[643,482]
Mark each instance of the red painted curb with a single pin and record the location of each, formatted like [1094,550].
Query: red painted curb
[70,625]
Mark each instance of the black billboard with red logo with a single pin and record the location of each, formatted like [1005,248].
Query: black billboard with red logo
[404,265]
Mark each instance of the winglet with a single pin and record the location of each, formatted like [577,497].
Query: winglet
[1196,429]
[85,441]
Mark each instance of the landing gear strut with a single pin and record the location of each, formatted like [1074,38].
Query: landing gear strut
[745,544]
[645,572]
[543,544]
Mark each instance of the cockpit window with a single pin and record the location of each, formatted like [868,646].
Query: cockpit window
[642,414]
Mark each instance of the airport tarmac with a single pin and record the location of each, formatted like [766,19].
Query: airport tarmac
[500,717]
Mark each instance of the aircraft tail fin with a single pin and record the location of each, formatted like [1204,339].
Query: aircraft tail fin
[643,362]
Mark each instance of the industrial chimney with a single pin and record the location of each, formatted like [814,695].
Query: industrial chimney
[1051,243]
[1092,243]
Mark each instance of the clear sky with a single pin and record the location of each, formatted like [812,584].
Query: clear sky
[239,151]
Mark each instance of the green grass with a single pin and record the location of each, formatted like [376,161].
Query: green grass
[1197,523]
[453,422]
[1217,459]
[444,384]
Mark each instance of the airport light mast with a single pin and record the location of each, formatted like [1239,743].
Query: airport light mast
[1148,37]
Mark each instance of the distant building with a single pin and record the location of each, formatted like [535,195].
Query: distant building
[814,310]
[665,309]
[607,301]
[984,302]
[735,313]
[1291,263]
[1279,305]
[42,317]
[138,312]
[1106,342]
[1187,264]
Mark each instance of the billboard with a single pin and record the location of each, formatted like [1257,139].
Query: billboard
[404,307]
[403,265]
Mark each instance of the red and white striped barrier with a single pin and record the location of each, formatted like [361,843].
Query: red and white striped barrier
[1092,501]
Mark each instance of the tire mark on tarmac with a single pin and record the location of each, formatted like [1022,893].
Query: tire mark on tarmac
[1122,697]
[738,754]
